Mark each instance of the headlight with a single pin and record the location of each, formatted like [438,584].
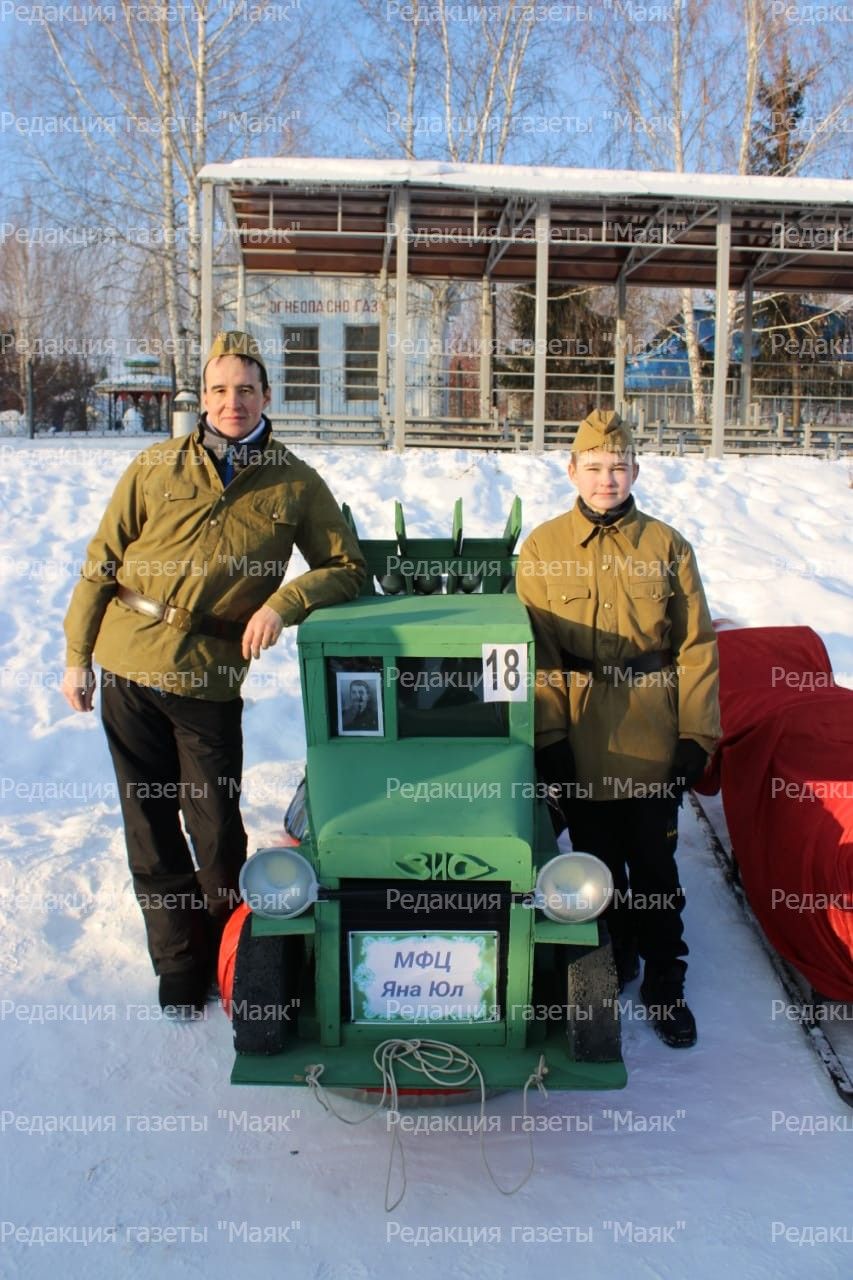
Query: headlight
[573,887]
[278,883]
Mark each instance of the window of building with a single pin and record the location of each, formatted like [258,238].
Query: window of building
[302,363]
[361,361]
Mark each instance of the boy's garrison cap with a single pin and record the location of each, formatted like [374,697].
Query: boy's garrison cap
[603,429]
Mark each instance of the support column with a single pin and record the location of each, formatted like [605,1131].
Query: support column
[721,330]
[401,320]
[241,294]
[382,357]
[540,333]
[208,194]
[620,345]
[746,358]
[486,344]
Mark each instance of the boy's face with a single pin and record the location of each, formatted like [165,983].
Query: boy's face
[603,479]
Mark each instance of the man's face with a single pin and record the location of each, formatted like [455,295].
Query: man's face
[603,479]
[233,397]
[358,696]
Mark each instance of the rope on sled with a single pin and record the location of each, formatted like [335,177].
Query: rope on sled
[445,1065]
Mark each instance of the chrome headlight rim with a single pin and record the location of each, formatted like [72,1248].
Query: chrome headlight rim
[573,907]
[269,898]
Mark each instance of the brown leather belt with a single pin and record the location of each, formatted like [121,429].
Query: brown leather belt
[643,664]
[181,619]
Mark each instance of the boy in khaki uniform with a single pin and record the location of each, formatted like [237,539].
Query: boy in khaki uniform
[627,708]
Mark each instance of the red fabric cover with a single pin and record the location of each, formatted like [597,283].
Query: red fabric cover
[228,955]
[781,735]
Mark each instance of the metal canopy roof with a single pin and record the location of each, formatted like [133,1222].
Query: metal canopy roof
[337,217]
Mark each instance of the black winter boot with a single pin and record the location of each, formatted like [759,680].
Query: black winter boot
[183,994]
[662,992]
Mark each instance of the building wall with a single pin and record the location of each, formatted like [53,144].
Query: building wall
[278,305]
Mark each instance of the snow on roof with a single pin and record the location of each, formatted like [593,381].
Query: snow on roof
[531,179]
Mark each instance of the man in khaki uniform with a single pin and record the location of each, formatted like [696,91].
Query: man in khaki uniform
[626,701]
[181,587]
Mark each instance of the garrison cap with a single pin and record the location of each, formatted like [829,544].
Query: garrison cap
[603,429]
[235,342]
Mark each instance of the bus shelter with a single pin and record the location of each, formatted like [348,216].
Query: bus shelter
[355,243]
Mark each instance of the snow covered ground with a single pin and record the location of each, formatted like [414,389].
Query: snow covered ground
[126,1151]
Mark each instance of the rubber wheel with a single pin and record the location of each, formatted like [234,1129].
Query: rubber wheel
[592,989]
[265,991]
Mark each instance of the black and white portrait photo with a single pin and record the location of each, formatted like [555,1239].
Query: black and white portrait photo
[359,703]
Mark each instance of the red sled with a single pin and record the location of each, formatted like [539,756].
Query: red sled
[785,768]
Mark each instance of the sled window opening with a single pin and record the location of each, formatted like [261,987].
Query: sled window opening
[443,698]
[354,697]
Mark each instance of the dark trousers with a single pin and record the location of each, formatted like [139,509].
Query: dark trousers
[637,840]
[178,757]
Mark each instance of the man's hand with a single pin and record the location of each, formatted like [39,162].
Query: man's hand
[262,630]
[555,764]
[78,688]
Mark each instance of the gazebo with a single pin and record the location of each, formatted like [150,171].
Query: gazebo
[141,387]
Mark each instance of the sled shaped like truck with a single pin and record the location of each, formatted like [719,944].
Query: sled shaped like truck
[423,895]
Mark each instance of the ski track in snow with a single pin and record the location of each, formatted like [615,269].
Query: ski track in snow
[699,1146]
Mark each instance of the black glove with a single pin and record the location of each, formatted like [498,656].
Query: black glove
[688,764]
[555,766]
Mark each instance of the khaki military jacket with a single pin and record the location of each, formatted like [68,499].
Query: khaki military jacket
[607,595]
[174,533]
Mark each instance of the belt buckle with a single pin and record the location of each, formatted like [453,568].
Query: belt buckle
[180,619]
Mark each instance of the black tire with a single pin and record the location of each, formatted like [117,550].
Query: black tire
[264,998]
[592,997]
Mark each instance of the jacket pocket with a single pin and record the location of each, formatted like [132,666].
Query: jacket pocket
[646,619]
[567,593]
[272,531]
[650,592]
[178,490]
[276,511]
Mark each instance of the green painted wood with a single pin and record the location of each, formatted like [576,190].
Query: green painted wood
[501,619]
[351,1066]
[327,985]
[575,935]
[419,814]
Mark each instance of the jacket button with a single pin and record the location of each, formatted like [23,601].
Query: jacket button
[214,521]
[607,604]
[562,597]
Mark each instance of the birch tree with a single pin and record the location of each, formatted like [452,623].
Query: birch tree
[463,83]
[152,95]
[683,96]
[443,80]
